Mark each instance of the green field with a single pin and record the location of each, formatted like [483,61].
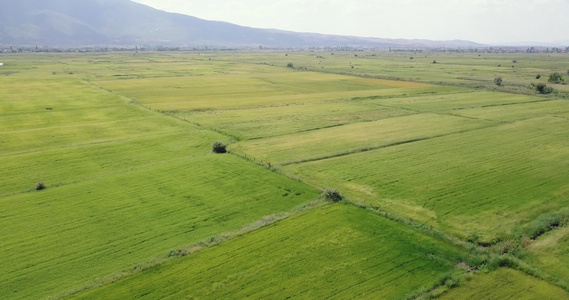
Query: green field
[481,182]
[505,284]
[335,252]
[550,252]
[451,171]
[350,138]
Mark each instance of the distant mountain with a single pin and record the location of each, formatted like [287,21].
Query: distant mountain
[126,23]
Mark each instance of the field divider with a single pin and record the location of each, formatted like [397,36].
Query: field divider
[377,147]
[195,247]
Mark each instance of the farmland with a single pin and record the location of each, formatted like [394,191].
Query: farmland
[443,173]
[333,252]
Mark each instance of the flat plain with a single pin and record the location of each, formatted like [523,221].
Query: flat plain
[442,170]
[334,252]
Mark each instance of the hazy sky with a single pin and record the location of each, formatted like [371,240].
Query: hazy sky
[484,21]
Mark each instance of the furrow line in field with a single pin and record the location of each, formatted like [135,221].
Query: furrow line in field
[517,103]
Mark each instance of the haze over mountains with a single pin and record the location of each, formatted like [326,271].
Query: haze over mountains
[75,23]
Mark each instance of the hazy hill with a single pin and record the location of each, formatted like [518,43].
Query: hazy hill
[122,22]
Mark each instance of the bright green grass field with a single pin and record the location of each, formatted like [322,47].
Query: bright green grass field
[353,137]
[62,238]
[127,183]
[263,122]
[86,133]
[333,252]
[518,111]
[457,101]
[482,182]
[252,86]
[505,284]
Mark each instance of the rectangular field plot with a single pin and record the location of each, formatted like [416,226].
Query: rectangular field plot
[63,238]
[86,133]
[253,86]
[333,252]
[254,123]
[519,111]
[66,165]
[354,137]
[478,183]
[457,101]
[505,284]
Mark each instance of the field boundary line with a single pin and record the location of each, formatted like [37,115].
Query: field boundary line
[372,148]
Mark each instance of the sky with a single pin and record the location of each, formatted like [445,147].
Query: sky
[482,21]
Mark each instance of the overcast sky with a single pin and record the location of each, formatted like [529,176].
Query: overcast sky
[483,21]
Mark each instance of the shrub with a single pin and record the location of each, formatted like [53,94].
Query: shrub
[538,76]
[542,88]
[218,147]
[332,195]
[290,65]
[40,186]
[498,80]
[555,78]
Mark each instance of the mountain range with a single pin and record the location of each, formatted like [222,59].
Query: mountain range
[72,23]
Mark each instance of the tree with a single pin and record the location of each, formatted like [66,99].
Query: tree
[556,78]
[498,80]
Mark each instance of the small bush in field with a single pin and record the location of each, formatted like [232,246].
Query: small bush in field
[332,195]
[498,81]
[542,88]
[218,147]
[40,186]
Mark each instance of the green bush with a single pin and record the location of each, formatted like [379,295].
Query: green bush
[40,186]
[498,80]
[538,76]
[332,195]
[218,147]
[290,65]
[555,78]
[542,88]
